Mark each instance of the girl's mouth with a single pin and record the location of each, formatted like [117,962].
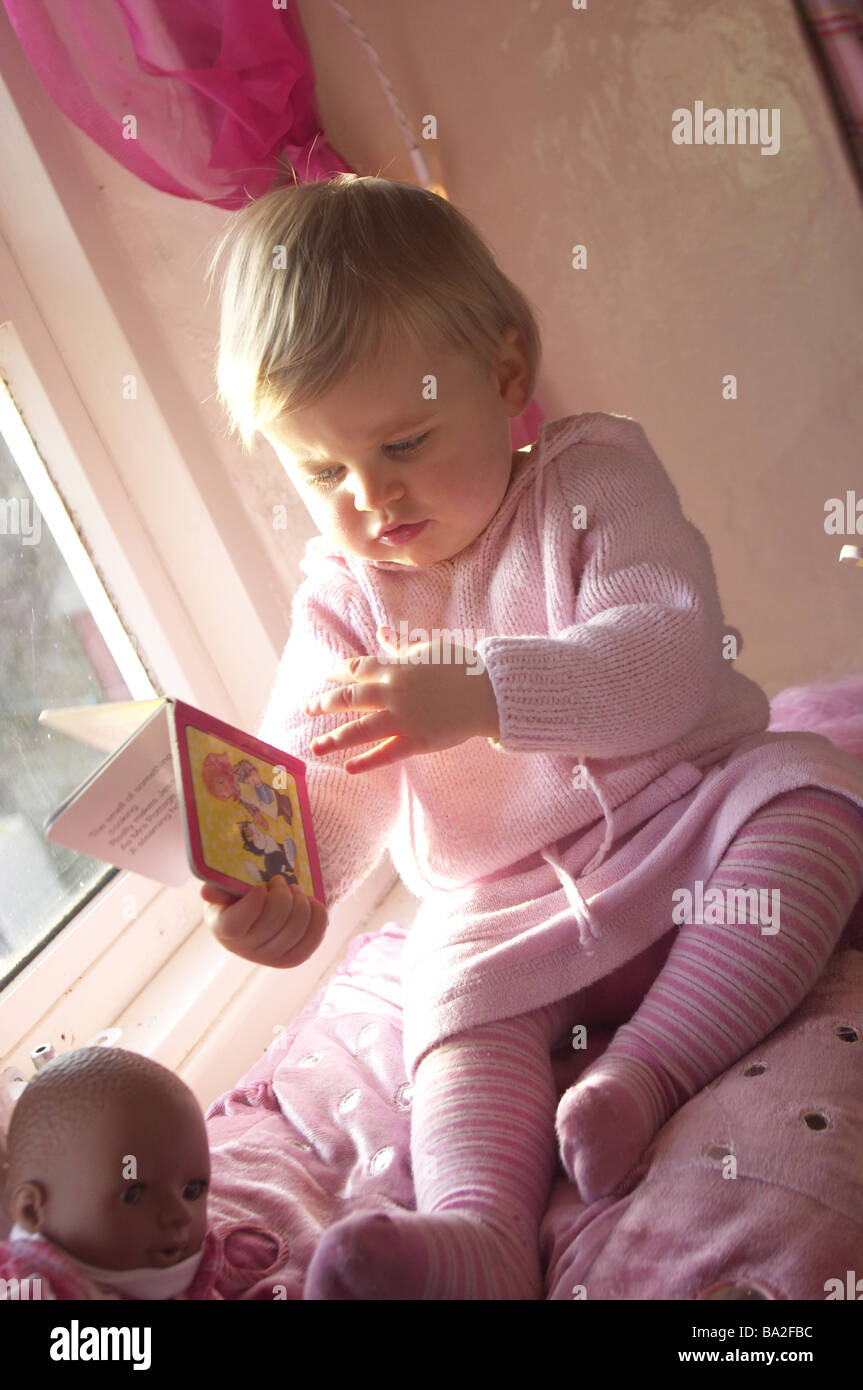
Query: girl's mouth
[402,534]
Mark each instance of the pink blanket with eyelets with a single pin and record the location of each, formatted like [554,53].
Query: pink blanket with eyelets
[752,1188]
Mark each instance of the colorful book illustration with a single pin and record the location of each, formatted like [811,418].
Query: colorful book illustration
[182,793]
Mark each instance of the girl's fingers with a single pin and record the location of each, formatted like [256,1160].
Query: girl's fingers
[232,920]
[280,928]
[275,924]
[314,935]
[382,756]
[352,667]
[358,731]
[284,900]
[366,694]
[220,896]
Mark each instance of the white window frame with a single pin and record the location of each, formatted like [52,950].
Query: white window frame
[138,956]
[159,977]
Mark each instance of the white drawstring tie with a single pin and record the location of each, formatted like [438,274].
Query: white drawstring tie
[587,929]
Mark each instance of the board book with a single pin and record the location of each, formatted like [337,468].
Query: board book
[181,794]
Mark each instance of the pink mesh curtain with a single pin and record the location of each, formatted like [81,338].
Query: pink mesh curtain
[835,33]
[205,99]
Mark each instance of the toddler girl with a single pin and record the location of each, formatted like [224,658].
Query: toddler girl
[565,805]
[106,1177]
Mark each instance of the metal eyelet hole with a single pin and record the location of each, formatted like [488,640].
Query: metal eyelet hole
[734,1291]
[815,1120]
[757,1069]
[846,1033]
[251,1249]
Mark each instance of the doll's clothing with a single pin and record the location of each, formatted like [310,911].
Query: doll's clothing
[28,1255]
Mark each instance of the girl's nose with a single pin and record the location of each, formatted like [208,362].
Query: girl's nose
[374,491]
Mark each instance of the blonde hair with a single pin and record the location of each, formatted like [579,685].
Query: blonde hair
[324,276]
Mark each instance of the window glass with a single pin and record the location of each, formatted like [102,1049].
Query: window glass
[52,653]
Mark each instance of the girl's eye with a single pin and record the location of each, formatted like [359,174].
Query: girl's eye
[195,1189]
[325,480]
[408,445]
[321,480]
[133,1194]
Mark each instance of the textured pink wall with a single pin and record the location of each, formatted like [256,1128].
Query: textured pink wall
[555,130]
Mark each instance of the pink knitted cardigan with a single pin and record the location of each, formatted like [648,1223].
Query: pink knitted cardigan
[630,749]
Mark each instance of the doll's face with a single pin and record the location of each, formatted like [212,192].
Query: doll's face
[133,1194]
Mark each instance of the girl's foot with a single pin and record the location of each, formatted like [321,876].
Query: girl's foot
[606,1121]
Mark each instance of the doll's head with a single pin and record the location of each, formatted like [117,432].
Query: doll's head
[368,333]
[107,1157]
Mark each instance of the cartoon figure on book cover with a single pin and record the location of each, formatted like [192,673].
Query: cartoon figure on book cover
[254,794]
[221,786]
[278,859]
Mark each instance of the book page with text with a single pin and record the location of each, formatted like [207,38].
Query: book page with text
[128,813]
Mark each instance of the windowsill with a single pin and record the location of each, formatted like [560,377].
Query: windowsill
[205,1014]
[270,999]
[209,1016]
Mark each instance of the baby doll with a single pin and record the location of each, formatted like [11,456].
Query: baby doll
[547,806]
[106,1177]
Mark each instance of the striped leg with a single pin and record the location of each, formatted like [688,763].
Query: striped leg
[483,1153]
[724,987]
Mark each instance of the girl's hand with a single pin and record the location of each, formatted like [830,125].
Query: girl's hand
[273,924]
[419,707]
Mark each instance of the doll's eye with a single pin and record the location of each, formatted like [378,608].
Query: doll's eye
[195,1189]
[133,1194]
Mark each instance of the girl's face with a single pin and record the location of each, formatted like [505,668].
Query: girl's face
[374,453]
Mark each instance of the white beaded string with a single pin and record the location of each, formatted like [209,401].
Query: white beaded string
[417,157]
